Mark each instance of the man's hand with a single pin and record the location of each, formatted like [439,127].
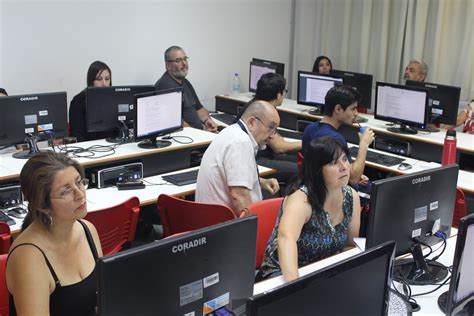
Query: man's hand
[210,125]
[366,138]
[364,180]
[270,185]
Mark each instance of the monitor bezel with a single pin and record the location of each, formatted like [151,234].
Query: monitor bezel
[365,97]
[280,66]
[340,80]
[398,120]
[260,64]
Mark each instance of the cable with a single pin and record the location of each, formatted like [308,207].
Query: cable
[152,184]
[175,138]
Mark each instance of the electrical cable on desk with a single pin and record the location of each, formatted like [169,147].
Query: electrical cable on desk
[175,138]
[152,184]
[90,152]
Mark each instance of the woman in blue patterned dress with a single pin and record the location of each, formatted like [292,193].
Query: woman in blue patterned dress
[320,216]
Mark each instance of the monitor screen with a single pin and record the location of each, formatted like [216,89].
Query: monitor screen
[313,87]
[411,209]
[443,102]
[156,114]
[461,287]
[257,70]
[340,289]
[191,274]
[36,114]
[360,82]
[404,105]
[280,67]
[107,106]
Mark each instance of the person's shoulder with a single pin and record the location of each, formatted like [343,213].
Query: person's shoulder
[165,82]
[79,99]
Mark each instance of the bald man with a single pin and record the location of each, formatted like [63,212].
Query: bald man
[228,173]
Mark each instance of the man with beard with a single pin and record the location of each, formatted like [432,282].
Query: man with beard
[177,65]
[416,71]
[341,108]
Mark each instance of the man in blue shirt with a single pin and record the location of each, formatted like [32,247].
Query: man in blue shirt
[341,108]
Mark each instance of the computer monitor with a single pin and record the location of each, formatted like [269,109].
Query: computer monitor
[411,209]
[33,116]
[403,105]
[191,274]
[359,81]
[257,70]
[460,296]
[313,87]
[340,289]
[156,114]
[443,101]
[280,67]
[110,109]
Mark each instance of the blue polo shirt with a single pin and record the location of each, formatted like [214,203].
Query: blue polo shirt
[319,129]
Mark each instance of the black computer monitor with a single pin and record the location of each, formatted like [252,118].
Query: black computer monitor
[359,81]
[280,67]
[33,116]
[256,71]
[110,109]
[340,289]
[443,102]
[411,209]
[313,87]
[186,275]
[403,105]
[460,296]
[156,114]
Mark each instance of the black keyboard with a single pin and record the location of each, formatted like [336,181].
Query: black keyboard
[226,118]
[378,158]
[289,133]
[7,219]
[182,178]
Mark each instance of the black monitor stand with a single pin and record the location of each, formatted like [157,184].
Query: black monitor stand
[153,143]
[403,129]
[124,135]
[316,111]
[32,142]
[428,129]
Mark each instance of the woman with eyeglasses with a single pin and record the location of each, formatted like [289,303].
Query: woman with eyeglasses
[51,267]
[319,217]
[98,75]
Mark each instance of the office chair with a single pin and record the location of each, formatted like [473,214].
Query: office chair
[4,295]
[267,213]
[116,225]
[178,215]
[5,238]
[299,160]
[460,208]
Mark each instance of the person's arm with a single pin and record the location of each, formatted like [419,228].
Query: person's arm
[270,185]
[281,146]
[354,225]
[462,116]
[206,119]
[240,198]
[357,165]
[296,212]
[29,281]
[77,119]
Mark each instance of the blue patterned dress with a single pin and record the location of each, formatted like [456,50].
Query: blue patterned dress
[318,238]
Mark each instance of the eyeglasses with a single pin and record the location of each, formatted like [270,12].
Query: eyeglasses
[67,193]
[179,60]
[272,129]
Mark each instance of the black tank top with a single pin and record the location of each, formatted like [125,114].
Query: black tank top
[74,299]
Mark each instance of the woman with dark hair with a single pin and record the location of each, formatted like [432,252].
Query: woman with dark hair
[51,267]
[98,75]
[322,65]
[3,93]
[319,217]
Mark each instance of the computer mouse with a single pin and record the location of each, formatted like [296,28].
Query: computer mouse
[404,166]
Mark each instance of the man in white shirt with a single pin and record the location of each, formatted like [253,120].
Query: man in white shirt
[228,174]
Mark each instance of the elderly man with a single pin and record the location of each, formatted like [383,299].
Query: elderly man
[228,173]
[177,65]
[416,70]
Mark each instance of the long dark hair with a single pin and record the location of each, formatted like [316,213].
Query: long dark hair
[36,180]
[94,69]
[318,60]
[318,153]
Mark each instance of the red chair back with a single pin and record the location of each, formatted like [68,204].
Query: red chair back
[5,238]
[4,295]
[299,160]
[460,208]
[178,215]
[267,213]
[116,225]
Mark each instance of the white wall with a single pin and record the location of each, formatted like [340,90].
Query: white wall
[48,45]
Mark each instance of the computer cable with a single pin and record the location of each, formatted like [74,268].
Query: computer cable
[90,152]
[176,139]
[148,183]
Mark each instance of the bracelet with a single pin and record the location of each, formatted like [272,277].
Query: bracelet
[245,210]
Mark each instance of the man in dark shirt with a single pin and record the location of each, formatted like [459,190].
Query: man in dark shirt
[194,113]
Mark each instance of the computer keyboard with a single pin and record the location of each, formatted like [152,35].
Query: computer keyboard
[182,178]
[289,133]
[226,118]
[7,219]
[378,158]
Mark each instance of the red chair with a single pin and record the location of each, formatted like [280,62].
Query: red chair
[5,238]
[116,225]
[4,295]
[299,160]
[460,208]
[267,213]
[178,215]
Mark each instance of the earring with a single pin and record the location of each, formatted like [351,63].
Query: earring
[50,218]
